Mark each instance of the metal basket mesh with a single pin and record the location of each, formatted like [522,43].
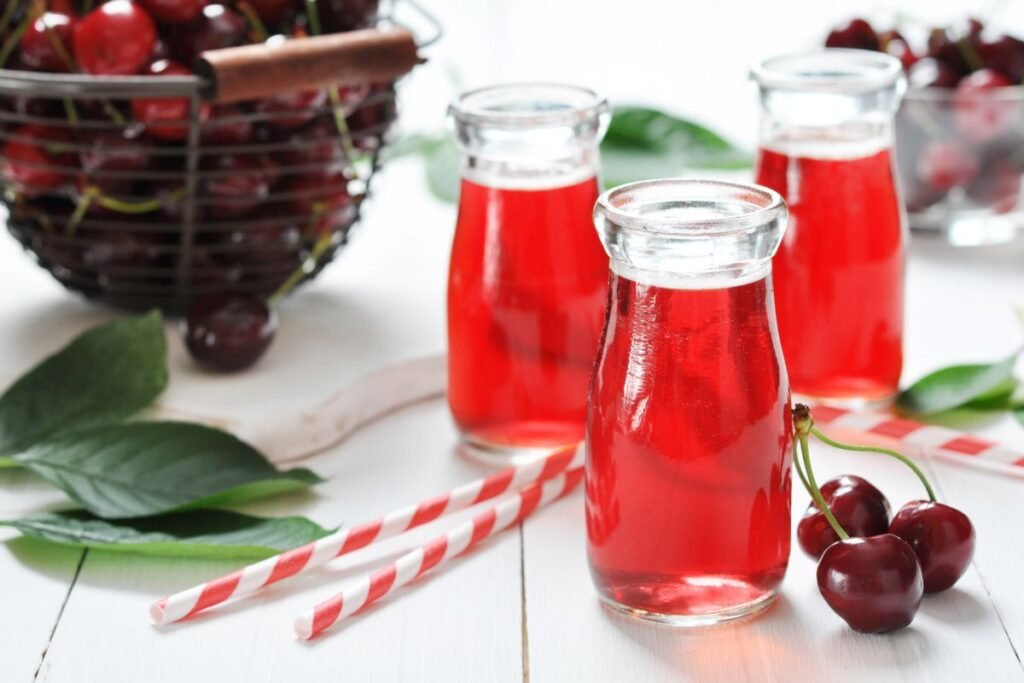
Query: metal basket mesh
[227,199]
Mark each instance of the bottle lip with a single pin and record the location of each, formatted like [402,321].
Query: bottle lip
[528,105]
[690,207]
[829,70]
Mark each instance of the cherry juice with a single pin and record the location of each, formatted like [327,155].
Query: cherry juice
[688,437]
[839,272]
[526,294]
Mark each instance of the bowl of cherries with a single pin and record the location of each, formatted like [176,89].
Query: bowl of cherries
[960,129]
[160,153]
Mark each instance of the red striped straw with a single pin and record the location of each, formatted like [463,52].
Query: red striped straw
[367,590]
[299,560]
[944,443]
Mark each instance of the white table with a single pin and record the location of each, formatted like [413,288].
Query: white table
[521,607]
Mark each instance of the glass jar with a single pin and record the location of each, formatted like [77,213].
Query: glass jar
[827,147]
[688,429]
[527,280]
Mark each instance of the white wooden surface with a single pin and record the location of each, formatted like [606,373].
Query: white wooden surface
[521,607]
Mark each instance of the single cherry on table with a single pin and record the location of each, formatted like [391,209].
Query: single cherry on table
[229,333]
[874,584]
[858,506]
[941,536]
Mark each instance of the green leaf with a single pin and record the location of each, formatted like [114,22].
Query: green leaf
[644,143]
[442,169]
[1018,413]
[146,468]
[955,386]
[106,374]
[208,533]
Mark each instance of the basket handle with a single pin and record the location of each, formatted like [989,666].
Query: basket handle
[252,72]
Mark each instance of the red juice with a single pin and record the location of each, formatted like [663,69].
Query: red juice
[839,273]
[688,487]
[526,294]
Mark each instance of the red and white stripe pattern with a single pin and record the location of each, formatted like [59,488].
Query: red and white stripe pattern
[257,576]
[932,439]
[367,590]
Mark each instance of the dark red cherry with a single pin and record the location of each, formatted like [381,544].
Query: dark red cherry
[115,39]
[110,161]
[1004,54]
[945,48]
[273,11]
[37,159]
[945,164]
[980,110]
[174,11]
[228,125]
[858,506]
[37,44]
[873,583]
[291,110]
[216,27]
[929,72]
[228,333]
[346,15]
[857,33]
[237,183]
[893,43]
[997,185]
[120,254]
[166,117]
[941,536]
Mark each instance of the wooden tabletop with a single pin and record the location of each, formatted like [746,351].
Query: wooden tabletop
[521,606]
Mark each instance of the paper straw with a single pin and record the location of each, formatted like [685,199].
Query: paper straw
[369,589]
[299,560]
[916,437]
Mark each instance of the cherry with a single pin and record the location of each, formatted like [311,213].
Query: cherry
[166,117]
[228,333]
[108,159]
[945,48]
[979,110]
[941,536]
[216,27]
[317,144]
[1005,54]
[37,46]
[291,110]
[33,157]
[337,16]
[115,39]
[320,200]
[857,33]
[893,43]
[174,11]
[112,251]
[945,164]
[272,248]
[858,506]
[228,125]
[874,584]
[238,183]
[929,72]
[272,11]
[998,185]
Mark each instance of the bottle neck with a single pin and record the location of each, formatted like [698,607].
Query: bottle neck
[493,168]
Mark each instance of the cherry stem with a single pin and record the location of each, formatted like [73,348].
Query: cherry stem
[800,470]
[321,246]
[876,449]
[13,40]
[255,23]
[804,424]
[8,14]
[969,54]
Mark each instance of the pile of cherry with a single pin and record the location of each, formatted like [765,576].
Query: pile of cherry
[873,571]
[96,187]
[960,132]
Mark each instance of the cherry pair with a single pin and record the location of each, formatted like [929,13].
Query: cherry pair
[873,572]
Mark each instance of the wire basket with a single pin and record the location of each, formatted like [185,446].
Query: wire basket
[253,189]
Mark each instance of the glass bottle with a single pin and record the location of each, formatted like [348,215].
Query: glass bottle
[827,147]
[688,429]
[527,279]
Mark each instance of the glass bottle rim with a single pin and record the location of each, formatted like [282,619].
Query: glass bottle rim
[829,70]
[676,206]
[528,105]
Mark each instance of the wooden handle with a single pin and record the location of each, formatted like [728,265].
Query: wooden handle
[252,72]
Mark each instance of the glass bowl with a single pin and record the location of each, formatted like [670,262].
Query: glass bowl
[960,158]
